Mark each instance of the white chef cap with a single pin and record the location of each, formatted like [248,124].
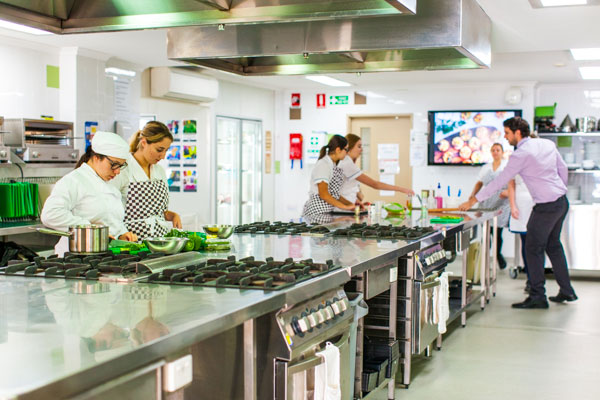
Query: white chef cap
[110,144]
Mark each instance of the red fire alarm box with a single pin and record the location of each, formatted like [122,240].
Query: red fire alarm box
[296,148]
[321,100]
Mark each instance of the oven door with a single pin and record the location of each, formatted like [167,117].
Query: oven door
[425,327]
[296,380]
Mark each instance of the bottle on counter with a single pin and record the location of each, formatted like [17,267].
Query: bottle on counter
[424,197]
[431,202]
[439,198]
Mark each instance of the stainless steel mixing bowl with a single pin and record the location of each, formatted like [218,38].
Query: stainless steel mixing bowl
[167,245]
[222,231]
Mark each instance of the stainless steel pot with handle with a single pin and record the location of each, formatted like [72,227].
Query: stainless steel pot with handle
[83,238]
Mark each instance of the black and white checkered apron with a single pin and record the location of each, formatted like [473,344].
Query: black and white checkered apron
[316,205]
[145,208]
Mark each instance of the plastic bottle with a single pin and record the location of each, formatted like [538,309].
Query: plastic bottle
[424,197]
[438,196]
[431,202]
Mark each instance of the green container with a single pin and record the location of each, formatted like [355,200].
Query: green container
[545,111]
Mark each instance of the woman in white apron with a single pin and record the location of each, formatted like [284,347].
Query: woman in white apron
[353,176]
[84,196]
[499,200]
[326,180]
[521,205]
[143,185]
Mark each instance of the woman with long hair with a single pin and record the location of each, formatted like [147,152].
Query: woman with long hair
[499,200]
[84,196]
[354,176]
[144,187]
[326,180]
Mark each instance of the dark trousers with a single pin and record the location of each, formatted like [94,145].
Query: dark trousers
[499,256]
[523,255]
[543,236]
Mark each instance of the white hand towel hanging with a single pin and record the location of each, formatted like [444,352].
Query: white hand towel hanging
[327,374]
[443,302]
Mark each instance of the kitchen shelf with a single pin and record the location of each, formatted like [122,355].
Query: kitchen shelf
[373,393]
[584,171]
[456,309]
[16,228]
[576,134]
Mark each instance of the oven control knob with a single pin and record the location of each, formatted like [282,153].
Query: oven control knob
[312,320]
[35,154]
[328,313]
[73,155]
[336,308]
[3,154]
[295,324]
[344,304]
[304,324]
[320,316]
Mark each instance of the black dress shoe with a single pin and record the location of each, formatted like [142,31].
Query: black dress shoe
[531,303]
[501,262]
[559,298]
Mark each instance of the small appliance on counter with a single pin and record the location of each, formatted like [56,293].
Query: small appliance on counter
[39,141]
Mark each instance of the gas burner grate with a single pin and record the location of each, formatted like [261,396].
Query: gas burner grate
[246,273]
[280,228]
[78,266]
[377,231]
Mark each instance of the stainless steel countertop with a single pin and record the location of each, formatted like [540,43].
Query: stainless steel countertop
[46,327]
[16,228]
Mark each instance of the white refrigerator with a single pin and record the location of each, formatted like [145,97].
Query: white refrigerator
[238,170]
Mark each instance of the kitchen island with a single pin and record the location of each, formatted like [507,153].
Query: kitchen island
[63,337]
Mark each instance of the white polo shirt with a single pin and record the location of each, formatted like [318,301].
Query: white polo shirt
[322,172]
[351,171]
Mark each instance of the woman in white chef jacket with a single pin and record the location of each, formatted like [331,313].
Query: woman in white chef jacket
[354,176]
[326,180]
[83,196]
[143,185]
[488,173]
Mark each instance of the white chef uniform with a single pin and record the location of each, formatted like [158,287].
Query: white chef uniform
[525,205]
[145,199]
[351,186]
[81,197]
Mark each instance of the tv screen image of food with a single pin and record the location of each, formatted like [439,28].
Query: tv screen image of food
[466,137]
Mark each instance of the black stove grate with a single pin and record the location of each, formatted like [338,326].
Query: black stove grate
[280,228]
[246,273]
[78,266]
[377,231]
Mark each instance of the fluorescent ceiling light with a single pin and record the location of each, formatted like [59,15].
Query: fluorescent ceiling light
[22,28]
[119,71]
[592,94]
[590,72]
[325,80]
[592,53]
[558,3]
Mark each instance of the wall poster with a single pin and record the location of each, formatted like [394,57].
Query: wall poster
[190,180]
[174,180]
[174,155]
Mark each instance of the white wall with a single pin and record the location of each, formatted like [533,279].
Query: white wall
[23,91]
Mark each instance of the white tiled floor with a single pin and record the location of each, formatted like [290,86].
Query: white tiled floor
[516,354]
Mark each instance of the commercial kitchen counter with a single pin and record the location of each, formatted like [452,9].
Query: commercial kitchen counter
[59,337]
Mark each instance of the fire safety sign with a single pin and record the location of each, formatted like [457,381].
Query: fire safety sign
[321,100]
[295,100]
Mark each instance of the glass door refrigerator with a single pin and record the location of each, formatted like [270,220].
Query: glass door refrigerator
[238,171]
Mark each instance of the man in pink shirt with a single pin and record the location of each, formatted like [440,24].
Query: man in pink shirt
[545,174]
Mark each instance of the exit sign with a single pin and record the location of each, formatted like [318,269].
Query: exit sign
[338,100]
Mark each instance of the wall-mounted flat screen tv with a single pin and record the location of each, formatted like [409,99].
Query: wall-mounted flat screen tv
[466,137]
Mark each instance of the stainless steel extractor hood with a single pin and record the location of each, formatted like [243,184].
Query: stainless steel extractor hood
[444,34]
[77,16]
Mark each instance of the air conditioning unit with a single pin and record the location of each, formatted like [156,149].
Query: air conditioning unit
[179,84]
